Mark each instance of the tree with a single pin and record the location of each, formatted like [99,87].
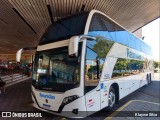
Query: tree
[156,64]
[121,64]
[102,46]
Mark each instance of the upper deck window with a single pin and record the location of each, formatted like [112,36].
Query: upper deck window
[101,26]
[65,28]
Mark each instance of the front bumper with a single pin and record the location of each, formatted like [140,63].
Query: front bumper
[75,109]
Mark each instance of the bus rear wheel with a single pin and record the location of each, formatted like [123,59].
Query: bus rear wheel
[148,78]
[111,98]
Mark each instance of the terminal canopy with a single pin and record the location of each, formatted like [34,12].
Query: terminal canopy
[22,22]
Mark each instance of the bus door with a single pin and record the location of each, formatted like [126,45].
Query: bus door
[92,88]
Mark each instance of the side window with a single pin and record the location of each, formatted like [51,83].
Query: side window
[91,70]
[102,27]
[101,46]
[127,67]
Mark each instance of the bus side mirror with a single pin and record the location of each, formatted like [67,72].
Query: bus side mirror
[19,52]
[74,42]
[18,55]
[73,46]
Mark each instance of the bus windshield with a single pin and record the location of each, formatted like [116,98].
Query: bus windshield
[54,70]
[65,28]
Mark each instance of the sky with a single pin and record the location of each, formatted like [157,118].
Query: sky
[151,33]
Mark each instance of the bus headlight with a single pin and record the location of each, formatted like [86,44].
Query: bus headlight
[69,99]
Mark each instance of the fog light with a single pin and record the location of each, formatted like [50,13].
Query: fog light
[75,111]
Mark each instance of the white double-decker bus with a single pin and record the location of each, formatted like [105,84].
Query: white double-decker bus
[87,62]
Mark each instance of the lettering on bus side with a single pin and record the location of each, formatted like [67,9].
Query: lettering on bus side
[131,54]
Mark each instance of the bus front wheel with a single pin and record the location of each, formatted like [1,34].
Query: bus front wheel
[111,98]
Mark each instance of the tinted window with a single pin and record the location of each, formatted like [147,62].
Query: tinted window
[126,67]
[91,70]
[91,64]
[55,70]
[65,28]
[101,26]
[101,46]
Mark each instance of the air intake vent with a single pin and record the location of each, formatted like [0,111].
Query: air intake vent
[23,20]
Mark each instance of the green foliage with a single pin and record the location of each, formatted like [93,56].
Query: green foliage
[135,64]
[102,46]
[89,75]
[124,64]
[156,64]
[125,67]
[92,69]
[155,71]
[116,74]
[121,64]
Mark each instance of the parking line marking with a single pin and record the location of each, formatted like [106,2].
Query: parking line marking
[146,102]
[125,105]
[115,112]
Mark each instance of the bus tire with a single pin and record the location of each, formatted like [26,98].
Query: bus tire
[150,77]
[111,98]
[147,78]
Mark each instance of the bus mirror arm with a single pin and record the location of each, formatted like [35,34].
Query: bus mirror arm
[87,37]
[74,43]
[19,52]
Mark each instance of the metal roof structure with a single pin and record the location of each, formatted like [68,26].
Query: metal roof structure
[22,22]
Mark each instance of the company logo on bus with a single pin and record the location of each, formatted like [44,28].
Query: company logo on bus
[131,54]
[49,96]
